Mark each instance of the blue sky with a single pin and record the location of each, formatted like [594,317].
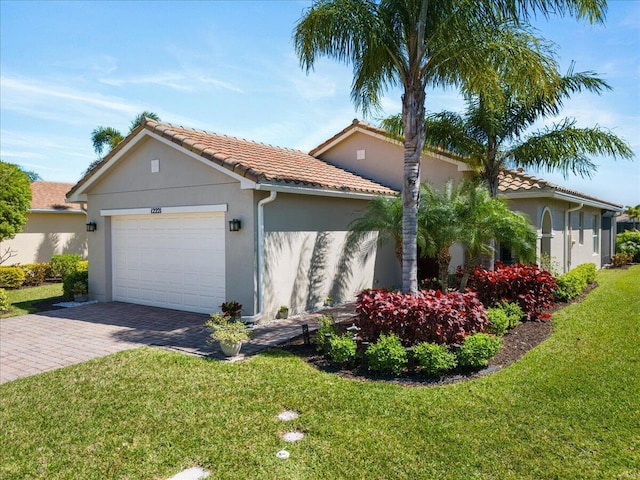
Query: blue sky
[230,67]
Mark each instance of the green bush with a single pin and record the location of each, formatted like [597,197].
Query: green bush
[11,277]
[69,282]
[513,311]
[83,265]
[433,358]
[499,321]
[477,350]
[325,333]
[629,242]
[35,273]
[64,264]
[572,283]
[342,349]
[387,355]
[621,259]
[4,301]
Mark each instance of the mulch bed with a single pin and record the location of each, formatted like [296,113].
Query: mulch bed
[515,344]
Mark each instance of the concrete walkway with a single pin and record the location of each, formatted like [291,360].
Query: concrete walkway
[35,343]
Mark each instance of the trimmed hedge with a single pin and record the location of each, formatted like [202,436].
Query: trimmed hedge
[4,301]
[35,273]
[572,283]
[64,264]
[11,277]
[434,359]
[429,316]
[526,285]
[477,350]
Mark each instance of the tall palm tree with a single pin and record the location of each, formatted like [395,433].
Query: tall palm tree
[633,213]
[492,135]
[417,44]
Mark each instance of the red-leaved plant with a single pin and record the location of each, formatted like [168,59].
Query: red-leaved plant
[428,316]
[527,285]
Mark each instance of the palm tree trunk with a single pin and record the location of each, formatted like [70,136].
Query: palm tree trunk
[413,119]
[444,259]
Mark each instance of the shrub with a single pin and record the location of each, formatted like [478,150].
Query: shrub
[342,349]
[64,264]
[227,330]
[70,281]
[433,358]
[629,242]
[4,301]
[499,321]
[11,277]
[387,355]
[572,283]
[325,332]
[35,273]
[527,285]
[429,316]
[513,311]
[477,350]
[621,259]
[83,265]
[231,309]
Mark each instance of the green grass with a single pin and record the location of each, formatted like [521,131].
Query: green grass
[569,409]
[25,300]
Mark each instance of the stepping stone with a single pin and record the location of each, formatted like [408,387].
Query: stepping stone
[288,415]
[195,473]
[292,436]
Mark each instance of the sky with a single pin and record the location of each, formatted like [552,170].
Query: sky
[230,67]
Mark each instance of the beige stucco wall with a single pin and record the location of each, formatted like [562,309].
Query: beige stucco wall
[47,234]
[307,259]
[181,181]
[384,161]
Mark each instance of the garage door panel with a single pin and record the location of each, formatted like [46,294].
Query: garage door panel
[173,261]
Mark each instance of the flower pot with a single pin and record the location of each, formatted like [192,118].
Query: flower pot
[230,349]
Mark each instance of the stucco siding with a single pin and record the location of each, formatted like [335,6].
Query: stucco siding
[48,234]
[181,181]
[308,260]
[383,161]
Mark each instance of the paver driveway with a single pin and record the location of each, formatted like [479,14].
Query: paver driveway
[35,343]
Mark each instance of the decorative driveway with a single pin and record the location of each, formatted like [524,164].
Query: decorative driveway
[35,343]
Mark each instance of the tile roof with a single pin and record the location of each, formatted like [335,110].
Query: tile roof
[51,196]
[257,162]
[512,181]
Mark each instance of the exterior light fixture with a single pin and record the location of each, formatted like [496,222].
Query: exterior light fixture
[234,225]
[91,227]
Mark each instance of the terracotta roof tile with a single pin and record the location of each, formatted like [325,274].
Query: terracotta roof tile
[260,162]
[51,196]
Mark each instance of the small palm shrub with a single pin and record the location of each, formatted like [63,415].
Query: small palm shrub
[387,355]
[477,350]
[11,277]
[499,321]
[434,359]
[4,301]
[342,349]
[325,333]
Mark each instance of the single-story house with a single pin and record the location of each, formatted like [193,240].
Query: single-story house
[572,227]
[188,219]
[52,227]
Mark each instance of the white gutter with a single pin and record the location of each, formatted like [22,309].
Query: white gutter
[321,192]
[254,318]
[567,247]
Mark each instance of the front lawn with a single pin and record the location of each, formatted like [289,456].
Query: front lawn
[33,299]
[568,410]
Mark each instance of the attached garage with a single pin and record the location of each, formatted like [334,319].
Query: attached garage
[170,260]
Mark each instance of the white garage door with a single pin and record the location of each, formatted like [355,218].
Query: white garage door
[171,261]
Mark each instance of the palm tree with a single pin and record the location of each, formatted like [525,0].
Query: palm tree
[423,43]
[492,135]
[633,213]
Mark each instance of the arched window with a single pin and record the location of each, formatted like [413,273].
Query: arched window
[546,225]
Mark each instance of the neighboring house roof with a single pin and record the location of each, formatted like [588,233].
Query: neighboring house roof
[517,184]
[50,197]
[260,163]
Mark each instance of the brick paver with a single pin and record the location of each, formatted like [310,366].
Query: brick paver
[36,343]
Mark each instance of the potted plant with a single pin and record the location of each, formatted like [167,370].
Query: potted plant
[228,333]
[80,290]
[283,312]
[231,309]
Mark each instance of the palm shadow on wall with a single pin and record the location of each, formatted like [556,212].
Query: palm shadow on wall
[48,247]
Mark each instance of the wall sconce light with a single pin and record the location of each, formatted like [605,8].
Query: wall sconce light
[91,227]
[234,225]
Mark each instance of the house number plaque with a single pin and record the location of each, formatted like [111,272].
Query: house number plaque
[156,210]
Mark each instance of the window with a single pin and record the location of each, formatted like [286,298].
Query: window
[581,228]
[596,234]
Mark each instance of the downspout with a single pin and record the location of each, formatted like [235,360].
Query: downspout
[567,247]
[260,303]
